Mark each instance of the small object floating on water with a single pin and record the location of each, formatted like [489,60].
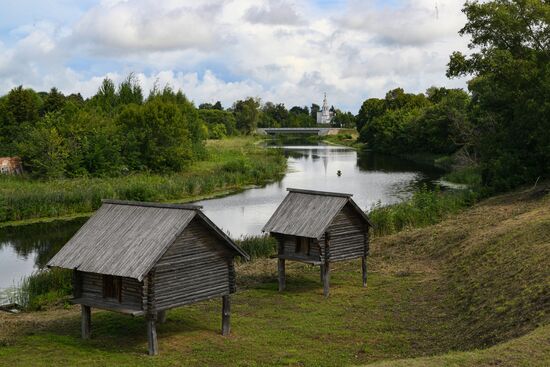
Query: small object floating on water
[339,173]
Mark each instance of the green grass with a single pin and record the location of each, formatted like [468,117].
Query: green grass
[470,176]
[426,207]
[345,137]
[298,327]
[231,164]
[258,246]
[436,296]
[531,350]
[42,289]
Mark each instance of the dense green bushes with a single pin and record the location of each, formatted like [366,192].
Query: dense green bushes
[230,164]
[112,133]
[413,123]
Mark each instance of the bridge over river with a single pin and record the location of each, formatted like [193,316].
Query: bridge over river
[321,131]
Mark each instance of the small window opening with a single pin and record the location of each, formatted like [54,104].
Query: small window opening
[303,245]
[112,287]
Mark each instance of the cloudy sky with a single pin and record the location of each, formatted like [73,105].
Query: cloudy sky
[289,51]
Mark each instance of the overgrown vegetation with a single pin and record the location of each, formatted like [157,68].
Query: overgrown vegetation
[42,289]
[426,207]
[258,246]
[229,164]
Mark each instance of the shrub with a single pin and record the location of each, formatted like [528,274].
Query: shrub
[42,288]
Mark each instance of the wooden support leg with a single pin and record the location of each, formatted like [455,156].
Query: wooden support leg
[86,312]
[152,336]
[364,269]
[326,279]
[161,317]
[322,267]
[226,315]
[282,275]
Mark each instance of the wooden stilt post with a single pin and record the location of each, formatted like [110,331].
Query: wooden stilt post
[364,269]
[282,275]
[281,265]
[86,313]
[226,315]
[326,278]
[152,335]
[161,317]
[326,266]
[364,257]
[151,315]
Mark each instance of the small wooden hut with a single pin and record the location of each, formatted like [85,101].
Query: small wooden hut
[319,228]
[145,258]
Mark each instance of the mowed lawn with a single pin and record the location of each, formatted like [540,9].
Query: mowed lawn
[388,319]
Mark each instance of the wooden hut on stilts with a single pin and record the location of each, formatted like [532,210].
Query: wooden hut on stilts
[146,258]
[319,228]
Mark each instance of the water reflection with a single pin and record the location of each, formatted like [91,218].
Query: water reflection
[28,248]
[370,177]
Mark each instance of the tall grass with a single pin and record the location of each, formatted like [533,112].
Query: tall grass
[426,207]
[258,246]
[231,163]
[470,176]
[42,288]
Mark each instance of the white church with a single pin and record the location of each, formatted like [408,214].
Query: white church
[325,115]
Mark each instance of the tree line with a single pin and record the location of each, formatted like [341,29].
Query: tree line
[503,124]
[119,130]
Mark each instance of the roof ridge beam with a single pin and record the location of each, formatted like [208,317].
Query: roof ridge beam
[321,193]
[152,205]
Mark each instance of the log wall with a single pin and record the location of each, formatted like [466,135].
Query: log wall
[347,236]
[91,286]
[289,249]
[197,266]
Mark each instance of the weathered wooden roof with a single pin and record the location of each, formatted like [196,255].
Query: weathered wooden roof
[308,213]
[125,238]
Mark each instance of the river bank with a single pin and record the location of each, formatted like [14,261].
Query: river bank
[232,164]
[436,295]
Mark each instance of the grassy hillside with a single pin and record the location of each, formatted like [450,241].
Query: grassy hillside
[529,350]
[440,295]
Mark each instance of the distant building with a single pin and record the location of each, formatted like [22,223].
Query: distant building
[11,166]
[326,114]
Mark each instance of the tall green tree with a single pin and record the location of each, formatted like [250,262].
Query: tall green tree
[53,101]
[19,107]
[247,114]
[510,65]
[129,91]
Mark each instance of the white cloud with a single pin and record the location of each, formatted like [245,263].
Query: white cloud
[209,51]
[276,12]
[141,26]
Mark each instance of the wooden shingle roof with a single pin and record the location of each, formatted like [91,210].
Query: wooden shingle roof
[308,213]
[126,238]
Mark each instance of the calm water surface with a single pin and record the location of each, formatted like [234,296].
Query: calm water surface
[371,178]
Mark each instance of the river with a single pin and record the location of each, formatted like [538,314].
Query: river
[371,178]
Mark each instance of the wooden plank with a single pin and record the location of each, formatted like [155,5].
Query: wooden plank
[152,342]
[281,274]
[86,321]
[226,315]
[364,270]
[105,305]
[326,265]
